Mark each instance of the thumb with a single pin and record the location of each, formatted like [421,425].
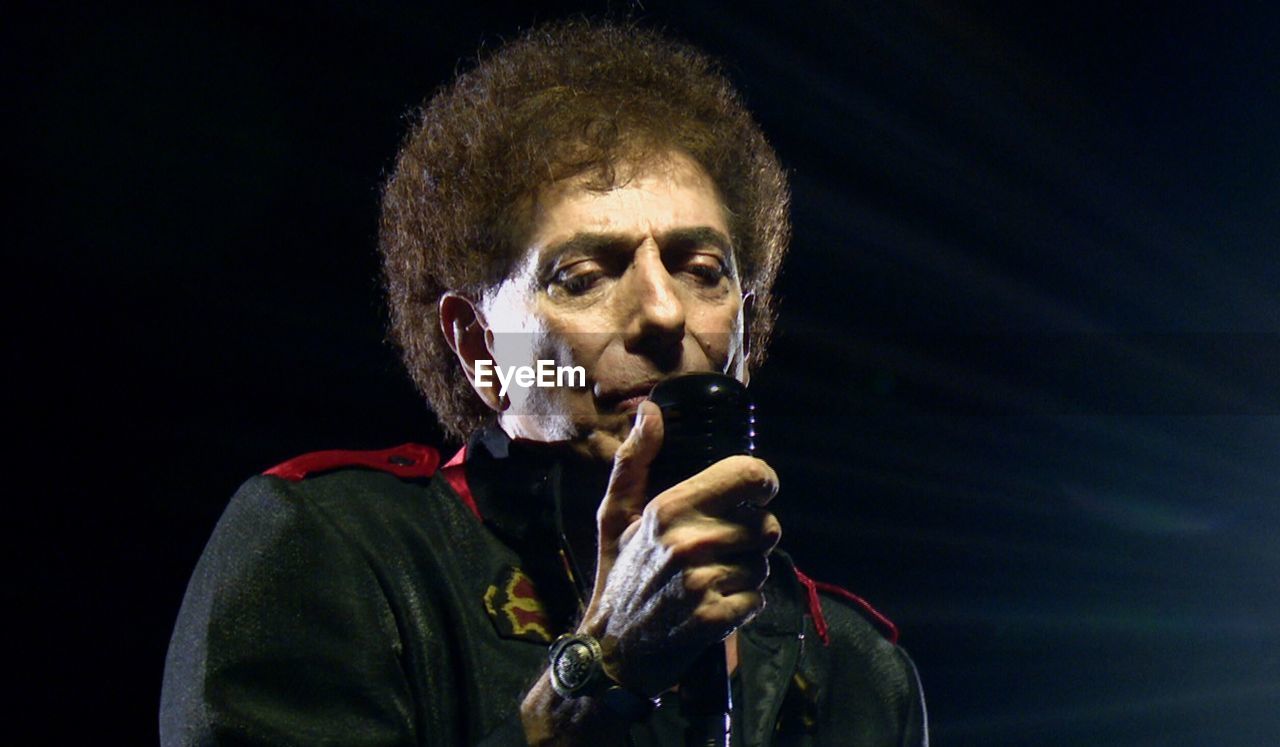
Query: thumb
[625,499]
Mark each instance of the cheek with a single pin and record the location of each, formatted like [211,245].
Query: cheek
[718,331]
[578,339]
[514,348]
[515,328]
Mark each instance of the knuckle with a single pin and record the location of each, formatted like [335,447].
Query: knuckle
[748,468]
[742,606]
[756,473]
[752,603]
[698,580]
[622,457]
[771,531]
[729,611]
[684,550]
[715,615]
[664,512]
[612,519]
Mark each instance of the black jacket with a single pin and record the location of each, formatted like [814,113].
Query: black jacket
[379,605]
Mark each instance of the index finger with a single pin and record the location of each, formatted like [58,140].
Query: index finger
[624,498]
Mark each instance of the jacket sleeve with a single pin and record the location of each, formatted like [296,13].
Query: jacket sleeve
[916,731]
[285,636]
[509,734]
[873,692]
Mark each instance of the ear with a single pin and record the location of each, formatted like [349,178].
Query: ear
[464,328]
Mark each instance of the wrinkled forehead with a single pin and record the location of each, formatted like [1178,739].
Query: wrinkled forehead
[651,197]
[625,191]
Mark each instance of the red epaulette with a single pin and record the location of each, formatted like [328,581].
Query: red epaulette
[455,473]
[406,461]
[820,620]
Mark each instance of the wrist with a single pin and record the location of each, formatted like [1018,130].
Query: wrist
[579,668]
[595,623]
[549,718]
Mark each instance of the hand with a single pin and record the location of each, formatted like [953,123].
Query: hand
[680,572]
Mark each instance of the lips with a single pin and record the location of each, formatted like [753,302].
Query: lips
[630,403]
[628,398]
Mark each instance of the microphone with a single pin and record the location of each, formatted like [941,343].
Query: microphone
[706,417]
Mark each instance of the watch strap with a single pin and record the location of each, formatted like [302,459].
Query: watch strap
[584,676]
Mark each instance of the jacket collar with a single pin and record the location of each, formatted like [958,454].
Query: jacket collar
[769,652]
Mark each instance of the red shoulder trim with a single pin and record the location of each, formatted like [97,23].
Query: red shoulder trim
[406,460]
[455,474]
[820,621]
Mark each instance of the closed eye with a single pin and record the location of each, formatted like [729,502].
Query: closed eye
[577,283]
[707,270]
[575,278]
[701,252]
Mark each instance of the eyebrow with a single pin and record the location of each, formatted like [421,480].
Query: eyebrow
[594,243]
[698,236]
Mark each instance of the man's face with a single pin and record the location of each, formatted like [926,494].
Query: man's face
[634,284]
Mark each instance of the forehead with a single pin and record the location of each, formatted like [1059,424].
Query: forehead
[650,198]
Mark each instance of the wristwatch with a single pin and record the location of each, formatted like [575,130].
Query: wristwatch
[576,664]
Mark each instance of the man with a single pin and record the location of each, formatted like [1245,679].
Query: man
[595,197]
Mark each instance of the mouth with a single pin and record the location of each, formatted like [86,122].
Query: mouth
[627,400]
[630,404]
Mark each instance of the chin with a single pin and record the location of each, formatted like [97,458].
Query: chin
[543,428]
[577,423]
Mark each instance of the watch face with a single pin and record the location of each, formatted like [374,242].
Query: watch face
[575,665]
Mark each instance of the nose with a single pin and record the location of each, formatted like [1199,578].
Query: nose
[655,314]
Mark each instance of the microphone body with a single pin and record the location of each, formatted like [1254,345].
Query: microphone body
[706,417]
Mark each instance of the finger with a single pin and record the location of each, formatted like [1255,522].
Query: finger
[747,573]
[725,485]
[624,498]
[762,521]
[722,613]
[744,573]
[709,540]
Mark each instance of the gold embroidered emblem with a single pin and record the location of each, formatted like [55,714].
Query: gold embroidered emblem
[513,606]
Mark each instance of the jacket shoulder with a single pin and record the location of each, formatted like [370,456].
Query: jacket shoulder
[305,580]
[862,646]
[818,590]
[375,489]
[284,611]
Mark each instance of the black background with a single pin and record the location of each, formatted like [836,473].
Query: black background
[1023,393]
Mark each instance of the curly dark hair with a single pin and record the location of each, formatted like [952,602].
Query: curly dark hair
[565,99]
